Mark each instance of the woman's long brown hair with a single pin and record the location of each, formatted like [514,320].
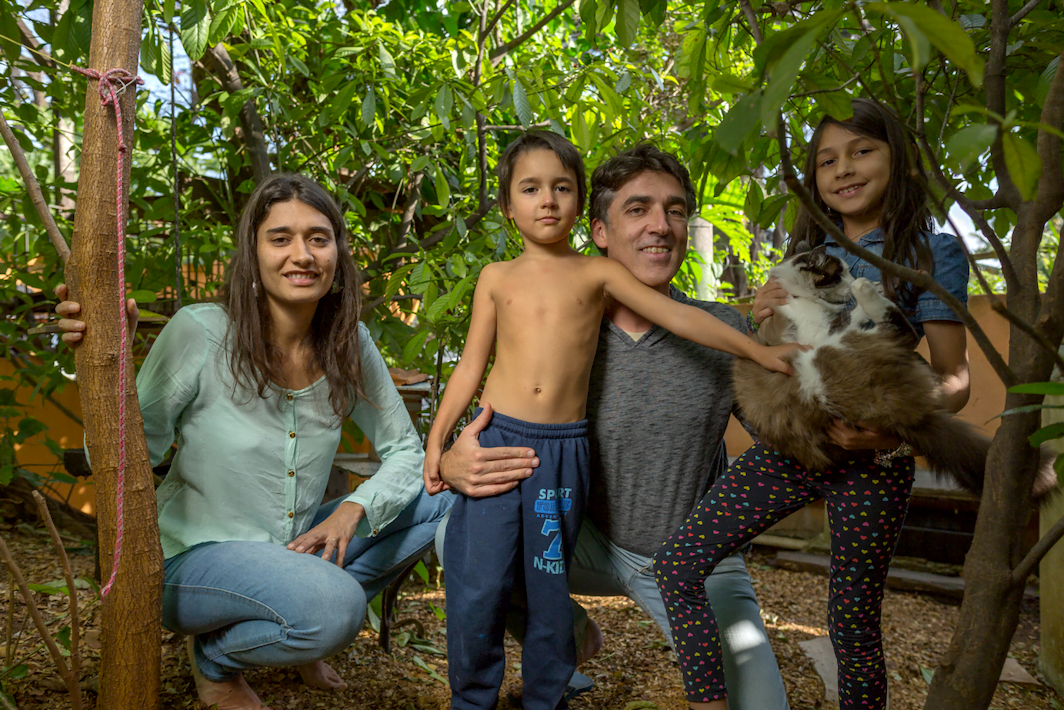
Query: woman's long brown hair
[906,215]
[333,337]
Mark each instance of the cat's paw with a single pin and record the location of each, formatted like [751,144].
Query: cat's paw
[865,291]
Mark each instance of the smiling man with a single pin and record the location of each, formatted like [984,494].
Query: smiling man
[658,406]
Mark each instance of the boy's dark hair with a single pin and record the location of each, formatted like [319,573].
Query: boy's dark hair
[540,140]
[611,175]
[906,215]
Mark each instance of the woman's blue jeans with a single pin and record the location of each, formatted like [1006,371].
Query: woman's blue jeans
[254,604]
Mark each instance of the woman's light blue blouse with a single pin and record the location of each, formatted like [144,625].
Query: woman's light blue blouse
[254,468]
[950,270]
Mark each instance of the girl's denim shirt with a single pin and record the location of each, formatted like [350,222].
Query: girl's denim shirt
[950,270]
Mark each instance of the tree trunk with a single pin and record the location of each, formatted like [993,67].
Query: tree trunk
[132,633]
[967,673]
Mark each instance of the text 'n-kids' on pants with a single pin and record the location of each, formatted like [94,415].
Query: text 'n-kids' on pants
[866,506]
[525,536]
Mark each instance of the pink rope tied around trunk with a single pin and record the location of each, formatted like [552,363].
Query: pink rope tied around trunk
[109,94]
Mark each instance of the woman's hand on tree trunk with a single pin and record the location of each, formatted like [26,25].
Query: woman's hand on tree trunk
[74,329]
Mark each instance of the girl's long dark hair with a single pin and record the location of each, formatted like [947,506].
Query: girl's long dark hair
[906,215]
[333,337]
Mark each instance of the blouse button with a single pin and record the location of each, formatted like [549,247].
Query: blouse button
[288,396]
[376,530]
[291,472]
[290,514]
[291,435]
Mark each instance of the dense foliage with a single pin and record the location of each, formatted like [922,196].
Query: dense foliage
[402,108]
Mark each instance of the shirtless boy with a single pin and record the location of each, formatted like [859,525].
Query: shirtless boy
[542,312]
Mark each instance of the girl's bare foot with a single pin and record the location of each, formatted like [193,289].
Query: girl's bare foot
[321,675]
[232,694]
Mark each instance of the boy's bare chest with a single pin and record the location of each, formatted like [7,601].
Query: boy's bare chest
[548,294]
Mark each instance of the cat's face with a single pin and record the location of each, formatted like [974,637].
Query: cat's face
[814,272]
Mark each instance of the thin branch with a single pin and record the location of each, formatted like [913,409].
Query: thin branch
[500,52]
[72,595]
[31,43]
[517,126]
[1051,182]
[840,87]
[250,121]
[1027,565]
[42,628]
[751,18]
[36,196]
[413,197]
[1033,331]
[1022,12]
[394,299]
[486,30]
[482,144]
[917,278]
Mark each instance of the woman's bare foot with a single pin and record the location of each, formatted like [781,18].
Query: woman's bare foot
[321,675]
[592,644]
[232,694]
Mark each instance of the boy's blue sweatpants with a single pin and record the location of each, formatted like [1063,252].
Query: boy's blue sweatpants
[525,536]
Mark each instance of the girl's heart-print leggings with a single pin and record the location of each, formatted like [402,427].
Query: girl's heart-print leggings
[866,506]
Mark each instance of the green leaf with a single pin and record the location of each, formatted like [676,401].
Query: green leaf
[414,345]
[421,571]
[443,190]
[581,133]
[8,33]
[837,104]
[623,82]
[142,296]
[369,108]
[949,37]
[588,13]
[730,84]
[17,672]
[195,28]
[966,145]
[1048,388]
[386,60]
[741,120]
[919,45]
[168,11]
[444,104]
[627,24]
[1026,409]
[50,590]
[425,648]
[927,673]
[752,204]
[425,667]
[785,72]
[1046,433]
[524,111]
[1023,163]
[299,65]
[223,23]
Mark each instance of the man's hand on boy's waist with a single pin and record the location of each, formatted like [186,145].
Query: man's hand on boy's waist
[478,472]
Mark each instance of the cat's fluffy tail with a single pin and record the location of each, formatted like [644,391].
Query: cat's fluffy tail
[956,449]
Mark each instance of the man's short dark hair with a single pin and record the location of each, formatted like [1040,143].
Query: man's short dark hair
[540,140]
[610,176]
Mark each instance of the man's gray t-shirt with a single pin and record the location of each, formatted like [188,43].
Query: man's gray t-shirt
[658,408]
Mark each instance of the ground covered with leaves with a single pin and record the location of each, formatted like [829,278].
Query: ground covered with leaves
[635,671]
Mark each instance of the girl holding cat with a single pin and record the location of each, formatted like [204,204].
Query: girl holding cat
[863,172]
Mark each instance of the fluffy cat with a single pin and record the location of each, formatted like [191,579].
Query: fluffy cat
[862,368]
